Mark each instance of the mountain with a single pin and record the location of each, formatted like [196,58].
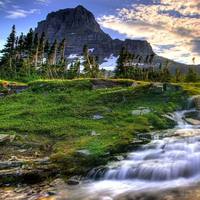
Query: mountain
[173,65]
[79,27]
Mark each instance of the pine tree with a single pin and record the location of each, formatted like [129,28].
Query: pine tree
[95,67]
[119,71]
[192,75]
[46,50]
[74,70]
[86,62]
[177,75]
[41,48]
[28,44]
[36,49]
[54,50]
[53,53]
[21,46]
[61,50]
[166,76]
[9,49]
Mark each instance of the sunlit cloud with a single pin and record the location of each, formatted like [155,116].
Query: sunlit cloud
[171,26]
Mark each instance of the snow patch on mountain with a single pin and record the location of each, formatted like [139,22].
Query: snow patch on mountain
[73,56]
[91,50]
[109,63]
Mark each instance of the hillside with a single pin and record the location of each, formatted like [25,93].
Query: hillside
[75,123]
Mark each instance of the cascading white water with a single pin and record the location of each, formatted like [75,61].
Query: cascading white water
[170,162]
[179,118]
[162,160]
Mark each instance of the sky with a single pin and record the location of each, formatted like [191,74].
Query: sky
[171,26]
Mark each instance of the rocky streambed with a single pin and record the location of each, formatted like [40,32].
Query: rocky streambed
[167,168]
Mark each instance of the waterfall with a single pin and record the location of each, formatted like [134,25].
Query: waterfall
[164,160]
[178,117]
[173,161]
[161,160]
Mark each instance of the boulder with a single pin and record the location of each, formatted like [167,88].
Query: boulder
[141,111]
[171,87]
[97,117]
[57,182]
[119,158]
[76,180]
[192,121]
[83,152]
[157,88]
[196,100]
[6,138]
[93,133]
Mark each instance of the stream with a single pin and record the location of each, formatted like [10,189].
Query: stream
[167,168]
[172,161]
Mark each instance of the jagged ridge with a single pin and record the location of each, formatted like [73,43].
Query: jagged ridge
[79,27]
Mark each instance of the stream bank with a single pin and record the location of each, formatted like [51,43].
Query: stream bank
[108,121]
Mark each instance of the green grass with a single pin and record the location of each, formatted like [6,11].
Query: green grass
[12,82]
[60,113]
[191,88]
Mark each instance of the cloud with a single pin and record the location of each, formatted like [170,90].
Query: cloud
[20,13]
[196,45]
[46,2]
[2,43]
[171,26]
[1,3]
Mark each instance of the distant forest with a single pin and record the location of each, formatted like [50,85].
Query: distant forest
[32,56]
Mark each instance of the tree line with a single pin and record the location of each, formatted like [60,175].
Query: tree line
[133,67]
[32,56]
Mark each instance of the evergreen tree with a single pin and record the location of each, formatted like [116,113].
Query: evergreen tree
[178,75]
[46,50]
[9,48]
[53,53]
[192,75]
[41,48]
[28,44]
[119,71]
[91,66]
[20,46]
[95,67]
[166,75]
[35,49]
[61,50]
[86,62]
[8,59]
[74,70]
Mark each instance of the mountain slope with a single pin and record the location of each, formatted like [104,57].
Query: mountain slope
[79,27]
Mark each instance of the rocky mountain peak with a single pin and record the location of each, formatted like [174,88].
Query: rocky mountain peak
[81,8]
[79,27]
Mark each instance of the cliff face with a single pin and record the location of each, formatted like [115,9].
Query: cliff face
[79,27]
